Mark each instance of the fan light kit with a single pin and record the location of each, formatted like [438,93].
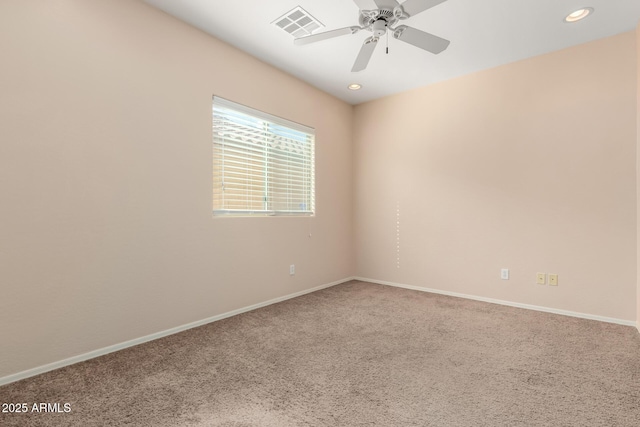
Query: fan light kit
[354,86]
[578,15]
[380,16]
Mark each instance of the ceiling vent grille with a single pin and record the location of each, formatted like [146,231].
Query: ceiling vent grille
[298,22]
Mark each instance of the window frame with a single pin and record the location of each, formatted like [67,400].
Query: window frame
[304,176]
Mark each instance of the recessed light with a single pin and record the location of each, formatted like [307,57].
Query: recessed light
[354,86]
[578,14]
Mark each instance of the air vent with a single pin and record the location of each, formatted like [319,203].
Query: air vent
[298,22]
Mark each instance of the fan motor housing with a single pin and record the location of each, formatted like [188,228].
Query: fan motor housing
[377,21]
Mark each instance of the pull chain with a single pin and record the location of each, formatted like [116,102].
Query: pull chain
[387,42]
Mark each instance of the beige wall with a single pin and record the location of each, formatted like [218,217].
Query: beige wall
[638,169]
[529,166]
[106,232]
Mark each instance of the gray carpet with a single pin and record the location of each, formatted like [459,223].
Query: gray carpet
[357,354]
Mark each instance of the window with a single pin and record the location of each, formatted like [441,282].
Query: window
[262,164]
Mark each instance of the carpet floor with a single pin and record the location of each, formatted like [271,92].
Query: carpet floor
[356,354]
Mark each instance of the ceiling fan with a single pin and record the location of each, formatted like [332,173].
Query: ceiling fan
[379,16]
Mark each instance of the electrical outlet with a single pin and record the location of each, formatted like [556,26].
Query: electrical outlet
[292,269]
[504,274]
[541,278]
[553,280]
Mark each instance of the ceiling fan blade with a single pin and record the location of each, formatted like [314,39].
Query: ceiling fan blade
[364,56]
[386,4]
[418,38]
[413,7]
[326,35]
[366,4]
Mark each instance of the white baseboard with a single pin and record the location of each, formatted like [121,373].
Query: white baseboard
[507,303]
[110,349]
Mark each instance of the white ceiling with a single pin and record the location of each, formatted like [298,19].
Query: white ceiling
[483,34]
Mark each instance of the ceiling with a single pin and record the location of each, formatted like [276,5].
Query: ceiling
[483,34]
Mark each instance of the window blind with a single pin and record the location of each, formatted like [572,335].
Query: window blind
[262,164]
